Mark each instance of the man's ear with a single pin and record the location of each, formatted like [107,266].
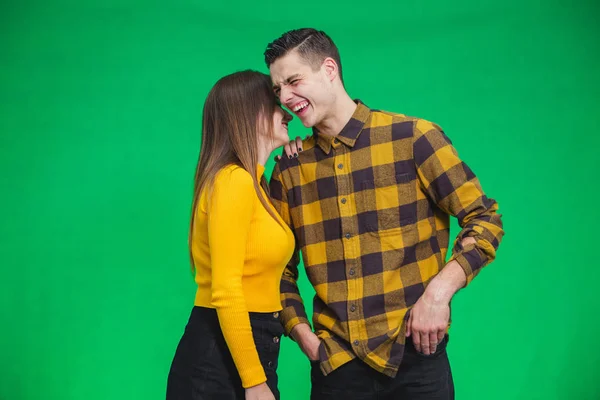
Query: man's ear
[331,68]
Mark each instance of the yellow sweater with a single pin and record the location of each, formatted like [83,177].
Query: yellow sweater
[239,252]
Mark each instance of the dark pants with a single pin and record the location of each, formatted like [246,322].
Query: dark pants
[420,377]
[203,367]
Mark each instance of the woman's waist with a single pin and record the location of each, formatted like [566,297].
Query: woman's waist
[205,320]
[257,299]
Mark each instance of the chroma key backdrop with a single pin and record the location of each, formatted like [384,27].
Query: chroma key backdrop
[100,116]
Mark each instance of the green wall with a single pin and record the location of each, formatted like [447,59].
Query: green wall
[100,113]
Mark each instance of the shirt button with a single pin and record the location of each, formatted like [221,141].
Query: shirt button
[356,343]
[275,339]
[275,315]
[340,166]
[270,364]
[344,200]
[336,141]
[348,236]
[352,308]
[352,272]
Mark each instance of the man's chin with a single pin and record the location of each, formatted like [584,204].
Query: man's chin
[307,123]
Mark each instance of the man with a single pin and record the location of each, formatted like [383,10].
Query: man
[368,197]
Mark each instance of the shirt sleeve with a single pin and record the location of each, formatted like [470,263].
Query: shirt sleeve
[231,203]
[452,185]
[293,312]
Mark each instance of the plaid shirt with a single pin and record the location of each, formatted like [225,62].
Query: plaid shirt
[370,212]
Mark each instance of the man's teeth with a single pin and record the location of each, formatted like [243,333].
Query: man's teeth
[300,106]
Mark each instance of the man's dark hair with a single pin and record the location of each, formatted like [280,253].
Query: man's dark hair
[312,45]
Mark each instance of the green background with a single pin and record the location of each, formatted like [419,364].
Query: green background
[99,134]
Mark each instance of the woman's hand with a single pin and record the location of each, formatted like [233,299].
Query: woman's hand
[259,392]
[292,148]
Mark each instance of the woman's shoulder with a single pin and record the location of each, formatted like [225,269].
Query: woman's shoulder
[233,175]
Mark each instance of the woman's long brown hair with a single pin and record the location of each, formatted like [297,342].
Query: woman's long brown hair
[233,119]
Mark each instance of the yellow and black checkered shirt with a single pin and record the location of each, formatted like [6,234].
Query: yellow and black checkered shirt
[370,212]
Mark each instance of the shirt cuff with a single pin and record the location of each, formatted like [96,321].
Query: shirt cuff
[471,261]
[290,318]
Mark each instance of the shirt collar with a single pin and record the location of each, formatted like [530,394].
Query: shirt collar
[349,134]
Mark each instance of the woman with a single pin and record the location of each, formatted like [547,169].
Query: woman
[238,245]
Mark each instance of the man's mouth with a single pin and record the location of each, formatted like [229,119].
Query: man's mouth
[300,108]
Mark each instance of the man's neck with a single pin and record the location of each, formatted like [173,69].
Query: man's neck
[339,116]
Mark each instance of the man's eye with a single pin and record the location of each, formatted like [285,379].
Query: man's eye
[294,81]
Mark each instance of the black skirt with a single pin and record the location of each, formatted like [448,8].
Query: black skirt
[203,367]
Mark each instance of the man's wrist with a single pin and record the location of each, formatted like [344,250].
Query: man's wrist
[300,331]
[437,294]
[442,288]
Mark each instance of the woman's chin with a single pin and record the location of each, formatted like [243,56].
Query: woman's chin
[282,142]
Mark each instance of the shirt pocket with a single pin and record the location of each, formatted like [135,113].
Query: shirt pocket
[388,204]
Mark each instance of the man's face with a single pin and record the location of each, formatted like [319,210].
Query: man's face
[306,92]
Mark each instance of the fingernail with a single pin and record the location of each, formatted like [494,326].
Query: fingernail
[299,150]
[295,155]
[277,158]
[290,157]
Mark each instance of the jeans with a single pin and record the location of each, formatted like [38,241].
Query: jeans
[420,377]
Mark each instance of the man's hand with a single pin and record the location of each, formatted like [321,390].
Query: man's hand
[309,342]
[429,316]
[427,324]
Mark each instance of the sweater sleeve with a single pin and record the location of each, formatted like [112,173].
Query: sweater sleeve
[231,205]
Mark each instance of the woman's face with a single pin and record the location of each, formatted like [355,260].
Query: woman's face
[280,127]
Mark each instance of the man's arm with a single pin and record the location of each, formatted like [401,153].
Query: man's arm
[293,316]
[451,184]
